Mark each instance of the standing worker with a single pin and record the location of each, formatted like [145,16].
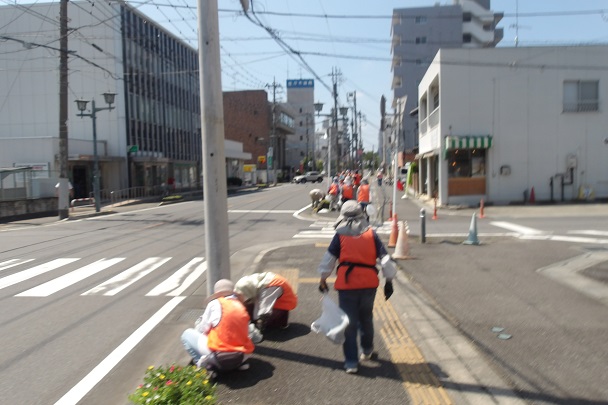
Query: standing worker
[356,248]
[333,192]
[363,195]
[348,191]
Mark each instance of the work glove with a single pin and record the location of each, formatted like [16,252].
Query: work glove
[388,289]
[323,286]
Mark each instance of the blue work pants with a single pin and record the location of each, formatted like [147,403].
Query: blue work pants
[359,307]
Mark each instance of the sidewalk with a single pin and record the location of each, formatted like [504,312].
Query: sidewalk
[423,359]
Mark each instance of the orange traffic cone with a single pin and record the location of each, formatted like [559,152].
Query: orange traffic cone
[481,206]
[532,198]
[392,240]
[402,250]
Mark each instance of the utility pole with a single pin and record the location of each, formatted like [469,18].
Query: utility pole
[273,136]
[334,77]
[215,189]
[63,189]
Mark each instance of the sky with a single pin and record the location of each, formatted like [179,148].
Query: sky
[352,37]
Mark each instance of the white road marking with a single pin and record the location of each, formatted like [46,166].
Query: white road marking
[171,286]
[260,211]
[12,263]
[121,281]
[33,272]
[74,395]
[590,232]
[524,230]
[59,283]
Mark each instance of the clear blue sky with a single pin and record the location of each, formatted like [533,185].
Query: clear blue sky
[356,46]
[354,38]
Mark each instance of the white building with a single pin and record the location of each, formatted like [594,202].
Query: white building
[153,134]
[508,124]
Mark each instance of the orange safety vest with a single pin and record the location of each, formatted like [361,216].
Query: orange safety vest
[333,189]
[357,262]
[231,334]
[358,178]
[347,191]
[288,300]
[363,193]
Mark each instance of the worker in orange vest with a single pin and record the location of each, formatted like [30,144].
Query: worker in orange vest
[348,192]
[363,195]
[356,248]
[268,298]
[220,339]
[333,192]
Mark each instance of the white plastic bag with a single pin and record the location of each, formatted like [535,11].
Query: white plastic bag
[333,321]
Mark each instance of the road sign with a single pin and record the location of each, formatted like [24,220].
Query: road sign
[261,159]
[134,148]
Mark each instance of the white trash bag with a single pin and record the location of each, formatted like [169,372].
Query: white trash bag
[333,321]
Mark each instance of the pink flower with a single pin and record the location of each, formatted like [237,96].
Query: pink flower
[169,382]
[172,369]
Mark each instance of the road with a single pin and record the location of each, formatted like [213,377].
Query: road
[89,304]
[78,295]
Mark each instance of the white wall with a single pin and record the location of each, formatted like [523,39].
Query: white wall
[515,95]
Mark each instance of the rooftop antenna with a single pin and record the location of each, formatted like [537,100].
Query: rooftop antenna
[516,25]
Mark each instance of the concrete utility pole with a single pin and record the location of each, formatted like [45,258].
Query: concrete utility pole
[215,189]
[273,135]
[334,77]
[63,190]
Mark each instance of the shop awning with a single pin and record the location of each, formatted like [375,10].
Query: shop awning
[468,142]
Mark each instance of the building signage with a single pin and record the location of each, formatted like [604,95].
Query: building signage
[300,83]
[249,168]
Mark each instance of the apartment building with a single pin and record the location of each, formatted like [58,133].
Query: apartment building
[417,34]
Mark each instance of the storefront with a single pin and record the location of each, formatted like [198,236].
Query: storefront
[466,159]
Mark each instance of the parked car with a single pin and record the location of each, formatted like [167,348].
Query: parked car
[308,176]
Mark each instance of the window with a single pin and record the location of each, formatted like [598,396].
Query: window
[420,19]
[581,95]
[420,40]
[467,163]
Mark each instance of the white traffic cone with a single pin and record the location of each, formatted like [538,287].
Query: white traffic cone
[472,239]
[402,249]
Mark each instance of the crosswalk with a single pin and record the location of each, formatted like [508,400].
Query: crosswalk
[325,230]
[25,269]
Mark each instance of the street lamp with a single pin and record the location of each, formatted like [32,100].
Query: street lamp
[82,106]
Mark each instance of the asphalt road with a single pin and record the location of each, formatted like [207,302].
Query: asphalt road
[59,332]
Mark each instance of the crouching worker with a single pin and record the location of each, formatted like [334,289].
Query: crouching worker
[268,298]
[220,339]
[316,196]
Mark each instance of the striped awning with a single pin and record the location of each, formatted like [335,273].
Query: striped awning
[468,142]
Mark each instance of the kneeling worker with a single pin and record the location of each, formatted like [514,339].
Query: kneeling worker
[220,339]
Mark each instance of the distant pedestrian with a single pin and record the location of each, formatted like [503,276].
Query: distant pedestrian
[220,339]
[356,248]
[363,195]
[379,176]
[268,298]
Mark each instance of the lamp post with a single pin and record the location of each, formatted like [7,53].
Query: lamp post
[82,106]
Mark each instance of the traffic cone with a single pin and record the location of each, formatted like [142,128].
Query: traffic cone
[435,209]
[472,239]
[481,206]
[532,198]
[402,249]
[392,240]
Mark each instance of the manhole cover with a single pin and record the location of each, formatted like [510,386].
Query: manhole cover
[191,315]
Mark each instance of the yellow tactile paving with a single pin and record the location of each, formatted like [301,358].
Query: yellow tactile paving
[291,275]
[419,381]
